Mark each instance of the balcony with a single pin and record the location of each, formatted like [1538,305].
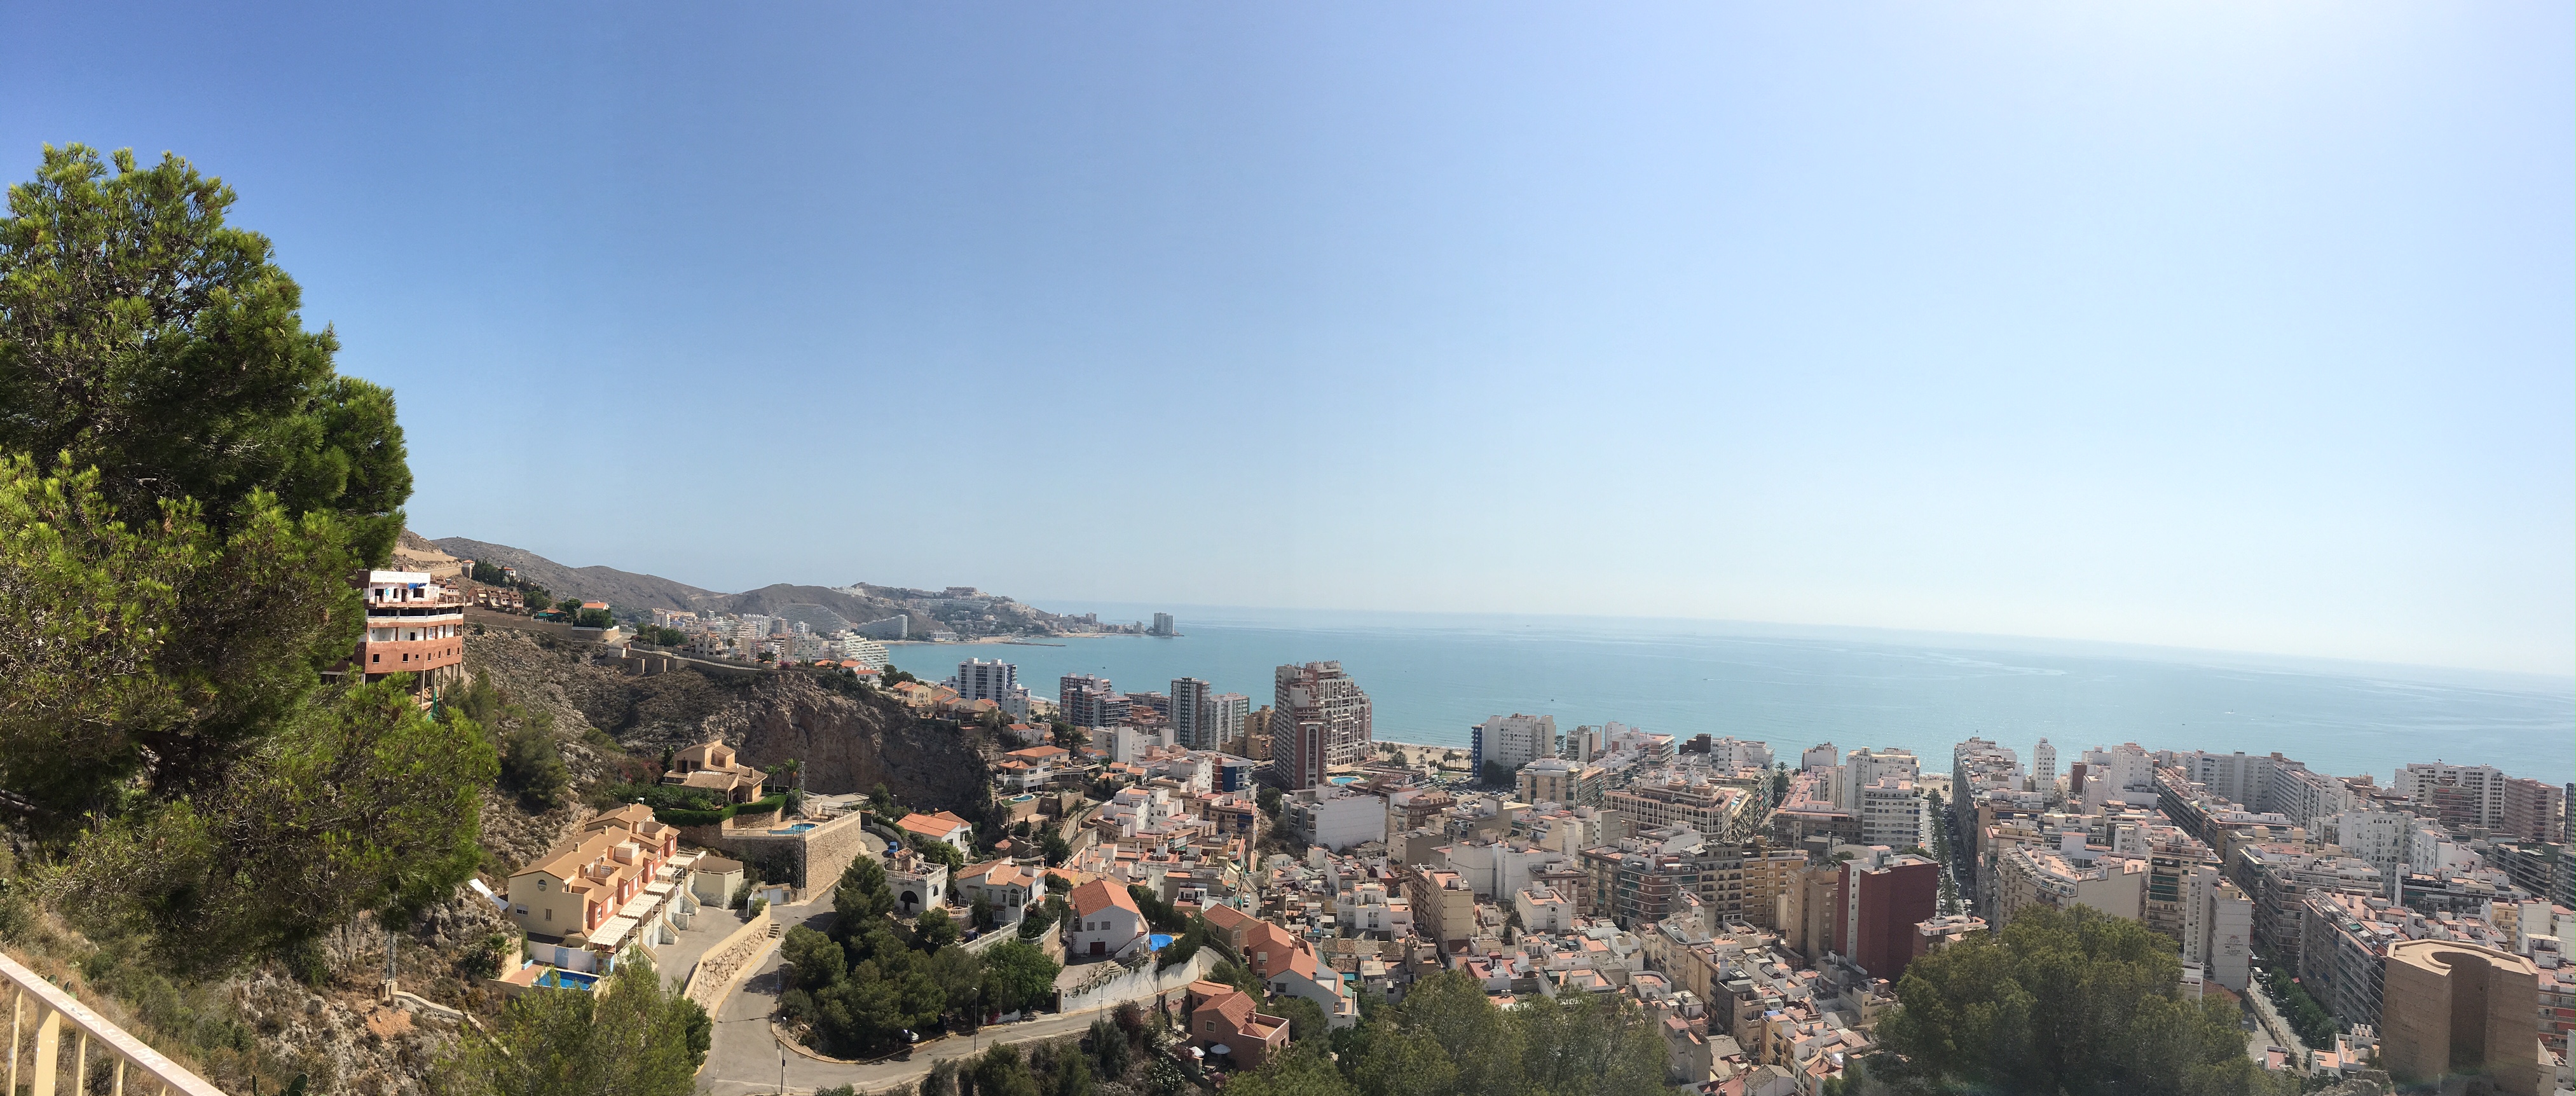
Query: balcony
[40,1008]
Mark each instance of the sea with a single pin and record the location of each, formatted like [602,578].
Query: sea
[1430,677]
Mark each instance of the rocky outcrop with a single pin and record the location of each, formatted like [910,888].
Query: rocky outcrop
[851,741]
[849,738]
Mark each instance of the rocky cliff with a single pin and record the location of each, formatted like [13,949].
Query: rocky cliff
[849,738]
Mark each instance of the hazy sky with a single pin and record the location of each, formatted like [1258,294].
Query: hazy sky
[2245,326]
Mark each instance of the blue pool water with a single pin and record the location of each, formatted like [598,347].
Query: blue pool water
[797,828]
[566,979]
[1158,941]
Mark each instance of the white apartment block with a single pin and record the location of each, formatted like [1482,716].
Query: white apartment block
[1822,755]
[1737,753]
[2306,796]
[867,652]
[1894,813]
[1512,741]
[1336,818]
[2460,795]
[2218,927]
[1864,768]
[2383,838]
[2043,768]
[1225,715]
[981,680]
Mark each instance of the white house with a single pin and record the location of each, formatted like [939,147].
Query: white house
[1003,885]
[917,881]
[1106,921]
[942,826]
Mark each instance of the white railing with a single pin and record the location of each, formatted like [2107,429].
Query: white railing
[44,1006]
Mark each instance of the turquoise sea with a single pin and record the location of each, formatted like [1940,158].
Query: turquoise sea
[1432,676]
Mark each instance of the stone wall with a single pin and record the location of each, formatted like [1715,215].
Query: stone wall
[1139,984]
[819,855]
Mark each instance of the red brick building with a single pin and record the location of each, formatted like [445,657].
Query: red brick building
[1878,901]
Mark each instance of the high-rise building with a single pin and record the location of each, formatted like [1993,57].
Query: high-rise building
[1820,756]
[1087,701]
[2459,795]
[1189,702]
[2218,927]
[1162,625]
[1894,813]
[1511,741]
[981,680]
[1224,715]
[1321,719]
[1867,767]
[2043,768]
[1878,900]
[2533,811]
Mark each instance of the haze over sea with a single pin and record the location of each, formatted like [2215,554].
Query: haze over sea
[1431,676]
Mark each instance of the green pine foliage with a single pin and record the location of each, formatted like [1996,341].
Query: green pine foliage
[186,486]
[2063,1002]
[859,987]
[635,1037]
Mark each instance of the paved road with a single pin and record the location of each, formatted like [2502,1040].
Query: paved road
[745,1057]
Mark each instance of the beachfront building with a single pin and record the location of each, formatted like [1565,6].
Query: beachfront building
[1511,741]
[1320,720]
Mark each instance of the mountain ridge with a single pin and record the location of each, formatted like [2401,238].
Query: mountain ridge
[635,594]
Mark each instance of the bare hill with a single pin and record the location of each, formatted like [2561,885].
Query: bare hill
[623,589]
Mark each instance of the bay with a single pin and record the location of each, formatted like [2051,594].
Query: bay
[1431,676]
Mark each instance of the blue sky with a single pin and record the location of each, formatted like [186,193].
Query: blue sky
[2212,325]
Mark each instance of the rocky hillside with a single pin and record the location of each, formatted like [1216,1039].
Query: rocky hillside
[849,738]
[624,589]
[825,607]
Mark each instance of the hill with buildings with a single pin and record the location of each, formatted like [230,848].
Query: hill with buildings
[963,610]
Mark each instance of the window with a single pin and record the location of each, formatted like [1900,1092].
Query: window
[550,914]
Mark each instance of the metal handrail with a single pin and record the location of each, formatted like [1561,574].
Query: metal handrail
[52,1006]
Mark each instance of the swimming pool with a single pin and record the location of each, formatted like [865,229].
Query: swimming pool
[1341,780]
[1158,941]
[559,978]
[797,828]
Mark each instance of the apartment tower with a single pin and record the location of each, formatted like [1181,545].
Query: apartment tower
[1319,719]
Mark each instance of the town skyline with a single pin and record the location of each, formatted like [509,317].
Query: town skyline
[2188,326]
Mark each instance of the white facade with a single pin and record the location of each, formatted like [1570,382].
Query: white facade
[1336,818]
[867,652]
[1514,740]
[981,680]
[1737,753]
[2383,838]
[1820,756]
[1864,768]
[2043,768]
[2124,773]
[2479,788]
[2218,928]
[1141,810]
[1894,813]
[1496,869]
[1226,715]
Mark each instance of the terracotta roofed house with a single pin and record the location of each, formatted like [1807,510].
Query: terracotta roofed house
[580,883]
[1106,921]
[942,826]
[715,767]
[1223,1021]
[1003,885]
